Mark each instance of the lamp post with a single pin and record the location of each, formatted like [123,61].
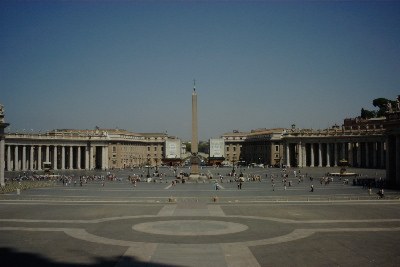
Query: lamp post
[148,166]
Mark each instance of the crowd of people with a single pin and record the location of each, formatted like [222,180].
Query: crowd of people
[279,178]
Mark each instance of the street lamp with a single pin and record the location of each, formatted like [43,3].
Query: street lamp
[148,165]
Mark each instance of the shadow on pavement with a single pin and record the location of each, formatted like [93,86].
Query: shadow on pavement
[10,258]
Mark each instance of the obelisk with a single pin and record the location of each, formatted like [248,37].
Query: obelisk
[194,170]
[3,125]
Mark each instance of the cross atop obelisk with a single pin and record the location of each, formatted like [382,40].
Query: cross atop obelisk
[194,170]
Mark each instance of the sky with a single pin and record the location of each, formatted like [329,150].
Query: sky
[257,64]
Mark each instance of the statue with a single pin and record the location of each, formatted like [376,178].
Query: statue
[389,107]
[1,113]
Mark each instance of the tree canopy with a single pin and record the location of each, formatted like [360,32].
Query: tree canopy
[380,103]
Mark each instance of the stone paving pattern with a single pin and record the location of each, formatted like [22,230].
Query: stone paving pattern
[122,225]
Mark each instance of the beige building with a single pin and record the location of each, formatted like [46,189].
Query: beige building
[263,146]
[361,146]
[83,149]
[233,145]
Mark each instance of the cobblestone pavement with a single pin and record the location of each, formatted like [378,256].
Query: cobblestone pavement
[192,224]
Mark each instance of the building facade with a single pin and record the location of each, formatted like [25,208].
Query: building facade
[263,146]
[233,145]
[83,149]
[392,124]
[364,148]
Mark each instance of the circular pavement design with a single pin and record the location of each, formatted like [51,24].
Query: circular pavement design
[189,230]
[190,227]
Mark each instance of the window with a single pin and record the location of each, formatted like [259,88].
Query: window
[148,148]
[234,149]
[276,148]
[227,149]
[114,149]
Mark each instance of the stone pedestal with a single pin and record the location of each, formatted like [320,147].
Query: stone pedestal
[2,146]
[194,167]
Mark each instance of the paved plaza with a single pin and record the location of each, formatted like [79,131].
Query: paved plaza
[192,224]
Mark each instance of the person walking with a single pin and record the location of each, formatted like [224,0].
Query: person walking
[312,188]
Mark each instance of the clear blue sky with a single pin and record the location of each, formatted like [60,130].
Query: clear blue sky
[131,64]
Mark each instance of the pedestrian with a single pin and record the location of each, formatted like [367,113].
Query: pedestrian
[381,193]
[273,186]
[312,188]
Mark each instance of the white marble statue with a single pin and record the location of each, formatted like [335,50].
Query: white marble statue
[1,113]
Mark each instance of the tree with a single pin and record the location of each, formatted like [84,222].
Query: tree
[203,147]
[188,147]
[381,103]
[368,114]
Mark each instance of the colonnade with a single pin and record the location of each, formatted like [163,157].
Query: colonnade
[29,157]
[393,152]
[365,154]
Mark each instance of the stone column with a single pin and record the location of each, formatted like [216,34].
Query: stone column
[16,160]
[92,167]
[55,158]
[319,155]
[9,168]
[31,158]
[71,157]
[397,163]
[375,154]
[78,158]
[2,156]
[39,167]
[24,158]
[47,153]
[389,160]
[367,155]
[2,147]
[328,159]
[303,155]
[300,153]
[3,125]
[62,157]
[383,164]
[350,152]
[105,167]
[335,154]
[358,154]
[287,155]
[342,152]
[312,155]
[87,157]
